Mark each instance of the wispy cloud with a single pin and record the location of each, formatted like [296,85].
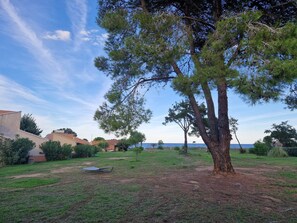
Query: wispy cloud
[77,12]
[29,39]
[266,116]
[58,35]
[94,37]
[12,89]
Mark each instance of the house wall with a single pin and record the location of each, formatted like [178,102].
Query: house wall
[61,138]
[10,124]
[36,139]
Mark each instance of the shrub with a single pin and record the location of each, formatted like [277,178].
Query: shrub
[123,145]
[7,156]
[54,151]
[291,151]
[260,148]
[277,152]
[84,151]
[22,146]
[176,148]
[15,151]
[66,151]
[103,145]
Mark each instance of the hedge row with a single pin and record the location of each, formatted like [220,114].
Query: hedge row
[54,151]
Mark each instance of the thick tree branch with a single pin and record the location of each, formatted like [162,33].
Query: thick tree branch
[206,90]
[197,113]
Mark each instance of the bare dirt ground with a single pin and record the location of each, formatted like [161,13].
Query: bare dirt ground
[248,187]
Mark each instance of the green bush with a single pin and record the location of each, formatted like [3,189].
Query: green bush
[260,148]
[54,151]
[103,145]
[291,151]
[22,146]
[7,156]
[66,151]
[176,148]
[15,151]
[85,151]
[123,145]
[277,152]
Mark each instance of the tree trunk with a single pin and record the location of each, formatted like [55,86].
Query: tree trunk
[186,142]
[221,160]
[241,149]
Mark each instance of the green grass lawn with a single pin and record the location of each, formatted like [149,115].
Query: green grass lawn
[162,186]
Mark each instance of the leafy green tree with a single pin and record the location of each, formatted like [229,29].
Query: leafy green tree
[233,127]
[137,151]
[136,137]
[284,133]
[200,48]
[28,124]
[181,114]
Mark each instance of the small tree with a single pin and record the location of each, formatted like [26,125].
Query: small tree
[284,133]
[233,128]
[180,114]
[160,144]
[28,124]
[136,137]
[137,151]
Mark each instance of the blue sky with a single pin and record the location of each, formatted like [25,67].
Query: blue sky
[46,69]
